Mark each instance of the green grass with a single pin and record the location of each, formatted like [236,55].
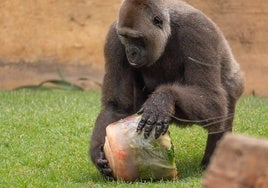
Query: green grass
[44,137]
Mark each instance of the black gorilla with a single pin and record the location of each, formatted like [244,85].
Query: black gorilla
[171,63]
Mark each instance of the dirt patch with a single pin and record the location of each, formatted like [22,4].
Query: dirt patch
[37,35]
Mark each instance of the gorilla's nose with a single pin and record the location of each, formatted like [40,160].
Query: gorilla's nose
[133,54]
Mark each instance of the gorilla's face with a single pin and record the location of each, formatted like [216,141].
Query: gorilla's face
[143,28]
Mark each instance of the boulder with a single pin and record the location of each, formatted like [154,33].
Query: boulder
[238,161]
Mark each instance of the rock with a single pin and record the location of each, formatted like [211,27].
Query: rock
[239,161]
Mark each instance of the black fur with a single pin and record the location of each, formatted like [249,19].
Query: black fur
[166,59]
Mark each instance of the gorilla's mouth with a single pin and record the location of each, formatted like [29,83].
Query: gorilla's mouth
[136,56]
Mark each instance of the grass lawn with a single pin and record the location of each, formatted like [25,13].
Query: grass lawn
[44,138]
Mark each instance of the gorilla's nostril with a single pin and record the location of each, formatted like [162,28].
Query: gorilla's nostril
[133,54]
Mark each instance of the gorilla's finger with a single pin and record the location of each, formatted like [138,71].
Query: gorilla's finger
[102,155]
[149,126]
[102,163]
[165,126]
[151,120]
[107,173]
[147,130]
[158,129]
[141,124]
[140,111]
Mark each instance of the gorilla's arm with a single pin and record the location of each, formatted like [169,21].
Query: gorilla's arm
[201,96]
[116,98]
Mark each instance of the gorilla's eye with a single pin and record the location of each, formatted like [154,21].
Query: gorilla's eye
[157,21]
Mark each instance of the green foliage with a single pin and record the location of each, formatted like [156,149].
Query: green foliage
[52,84]
[44,137]
[61,83]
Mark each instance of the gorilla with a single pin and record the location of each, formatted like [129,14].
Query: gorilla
[170,63]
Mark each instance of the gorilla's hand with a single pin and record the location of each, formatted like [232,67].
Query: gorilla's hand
[156,112]
[103,166]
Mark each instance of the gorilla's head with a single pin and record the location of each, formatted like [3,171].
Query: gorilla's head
[143,28]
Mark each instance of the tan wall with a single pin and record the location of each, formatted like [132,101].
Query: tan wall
[69,31]
[72,32]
